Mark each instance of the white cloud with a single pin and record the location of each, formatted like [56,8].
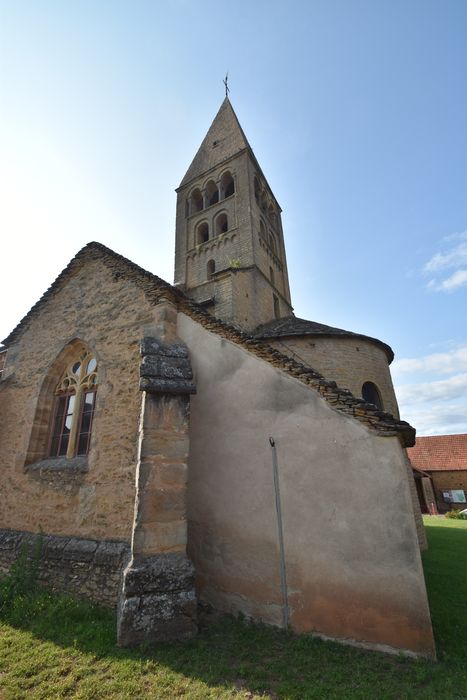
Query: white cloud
[457,279]
[439,420]
[435,405]
[442,390]
[441,362]
[452,258]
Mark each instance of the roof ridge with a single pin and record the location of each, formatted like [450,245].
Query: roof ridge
[342,400]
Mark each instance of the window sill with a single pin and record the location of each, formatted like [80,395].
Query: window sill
[58,464]
[59,472]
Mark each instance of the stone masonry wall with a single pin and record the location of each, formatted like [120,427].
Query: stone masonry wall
[95,499]
[456,479]
[85,568]
[348,361]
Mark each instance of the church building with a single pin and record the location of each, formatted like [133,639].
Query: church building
[195,447]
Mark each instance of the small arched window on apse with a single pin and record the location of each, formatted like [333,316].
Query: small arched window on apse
[212,193]
[227,185]
[257,189]
[371,394]
[196,201]
[262,230]
[264,202]
[75,397]
[210,268]
[202,233]
[221,224]
[271,274]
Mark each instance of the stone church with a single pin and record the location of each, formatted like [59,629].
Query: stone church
[195,447]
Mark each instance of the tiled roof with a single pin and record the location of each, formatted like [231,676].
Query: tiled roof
[291,326]
[341,400]
[439,453]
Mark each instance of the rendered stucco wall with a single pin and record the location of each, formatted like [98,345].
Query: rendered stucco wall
[353,569]
[348,361]
[108,314]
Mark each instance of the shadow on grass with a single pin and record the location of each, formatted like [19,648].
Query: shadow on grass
[229,653]
[232,654]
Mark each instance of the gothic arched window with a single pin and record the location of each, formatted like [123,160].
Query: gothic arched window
[75,397]
[370,393]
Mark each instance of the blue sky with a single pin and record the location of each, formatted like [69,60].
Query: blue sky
[356,111]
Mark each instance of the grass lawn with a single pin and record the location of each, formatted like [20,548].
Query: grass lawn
[59,648]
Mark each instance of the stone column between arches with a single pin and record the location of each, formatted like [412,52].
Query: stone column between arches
[158,600]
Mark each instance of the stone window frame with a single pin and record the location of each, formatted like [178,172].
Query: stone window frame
[201,228]
[38,449]
[211,193]
[208,189]
[218,228]
[225,175]
[210,269]
[193,207]
[371,391]
[78,380]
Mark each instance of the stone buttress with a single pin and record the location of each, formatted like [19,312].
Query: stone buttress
[158,600]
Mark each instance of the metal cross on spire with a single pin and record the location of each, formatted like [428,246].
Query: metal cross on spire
[225,81]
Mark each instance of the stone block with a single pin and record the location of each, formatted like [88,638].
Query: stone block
[79,550]
[166,367]
[157,385]
[161,505]
[158,601]
[159,574]
[170,446]
[153,346]
[166,412]
[155,538]
[53,547]
[157,473]
[111,553]
[10,540]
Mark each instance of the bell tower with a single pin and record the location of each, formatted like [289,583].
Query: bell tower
[229,249]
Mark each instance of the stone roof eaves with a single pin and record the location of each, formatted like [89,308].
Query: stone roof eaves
[155,288]
[301,330]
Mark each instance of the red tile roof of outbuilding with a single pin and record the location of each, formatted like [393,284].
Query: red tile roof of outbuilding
[439,452]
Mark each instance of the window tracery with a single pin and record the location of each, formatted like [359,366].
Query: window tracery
[74,407]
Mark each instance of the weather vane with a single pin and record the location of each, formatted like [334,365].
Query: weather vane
[225,81]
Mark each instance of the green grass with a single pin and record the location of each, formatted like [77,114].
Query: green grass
[58,648]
